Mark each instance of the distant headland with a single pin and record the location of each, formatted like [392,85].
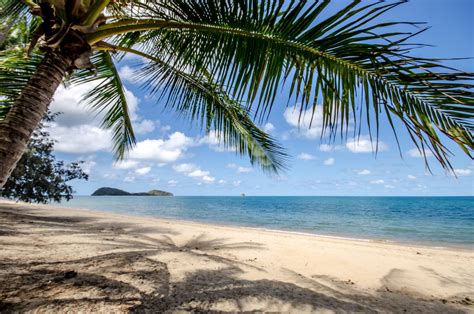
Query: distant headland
[105,191]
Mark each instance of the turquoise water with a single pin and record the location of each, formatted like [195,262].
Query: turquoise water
[443,221]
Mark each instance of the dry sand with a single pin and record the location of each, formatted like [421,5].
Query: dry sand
[58,260]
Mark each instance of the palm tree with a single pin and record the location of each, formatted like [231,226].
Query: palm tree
[223,62]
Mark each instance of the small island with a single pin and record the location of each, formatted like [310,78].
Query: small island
[106,191]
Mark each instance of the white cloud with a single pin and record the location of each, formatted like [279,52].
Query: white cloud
[80,139]
[125,164]
[143,127]
[127,74]
[212,138]
[268,127]
[162,151]
[239,168]
[330,148]
[305,156]
[421,187]
[143,171]
[363,144]
[329,161]
[326,147]
[243,170]
[68,102]
[411,177]
[388,186]
[363,172]
[165,128]
[77,129]
[172,182]
[377,182]
[462,172]
[237,183]
[415,153]
[308,124]
[185,167]
[132,104]
[208,179]
[88,165]
[129,179]
[109,175]
[193,171]
[221,181]
[215,141]
[198,173]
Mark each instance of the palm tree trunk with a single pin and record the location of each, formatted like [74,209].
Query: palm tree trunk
[28,110]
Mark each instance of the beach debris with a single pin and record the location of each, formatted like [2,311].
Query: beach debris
[67,275]
[70,274]
[418,253]
[465,302]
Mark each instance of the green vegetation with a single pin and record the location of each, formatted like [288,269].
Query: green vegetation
[105,191]
[223,63]
[159,193]
[38,176]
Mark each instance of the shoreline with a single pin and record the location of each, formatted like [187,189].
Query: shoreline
[86,260]
[408,243]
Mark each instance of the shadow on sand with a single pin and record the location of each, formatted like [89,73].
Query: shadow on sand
[130,277]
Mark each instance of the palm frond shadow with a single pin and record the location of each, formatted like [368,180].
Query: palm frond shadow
[130,277]
[69,225]
[107,280]
[387,299]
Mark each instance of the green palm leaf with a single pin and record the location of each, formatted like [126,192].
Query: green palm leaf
[220,61]
[16,70]
[12,9]
[108,97]
[199,99]
[252,47]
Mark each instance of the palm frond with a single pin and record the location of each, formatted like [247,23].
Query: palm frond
[198,98]
[16,69]
[108,97]
[12,9]
[253,47]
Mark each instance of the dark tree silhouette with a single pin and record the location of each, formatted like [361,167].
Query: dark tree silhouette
[38,176]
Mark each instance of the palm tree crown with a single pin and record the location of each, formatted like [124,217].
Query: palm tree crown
[223,63]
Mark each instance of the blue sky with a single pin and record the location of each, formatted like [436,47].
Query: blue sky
[174,155]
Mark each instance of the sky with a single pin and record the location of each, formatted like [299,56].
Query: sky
[175,155]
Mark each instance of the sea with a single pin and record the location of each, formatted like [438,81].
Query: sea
[433,221]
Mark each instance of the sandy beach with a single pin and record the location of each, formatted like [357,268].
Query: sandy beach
[55,259]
